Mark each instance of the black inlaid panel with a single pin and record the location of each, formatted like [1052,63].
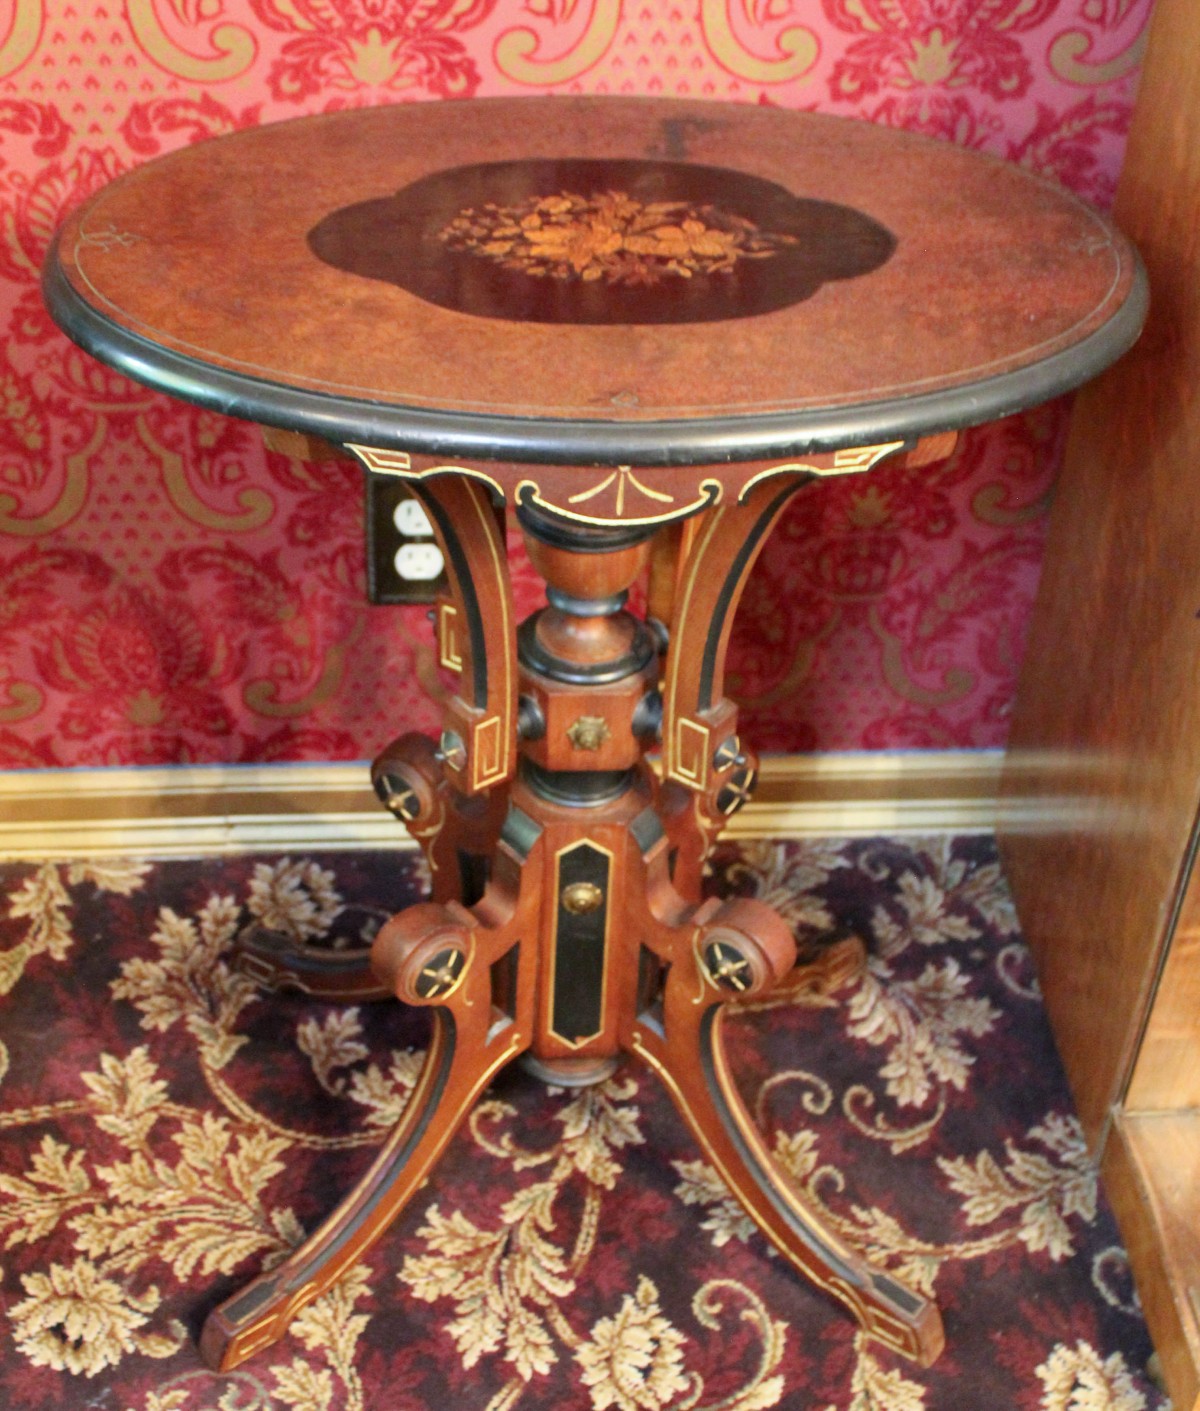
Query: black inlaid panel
[602,242]
[579,946]
[473,872]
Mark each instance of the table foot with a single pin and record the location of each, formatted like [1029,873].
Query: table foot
[278,962]
[737,952]
[825,971]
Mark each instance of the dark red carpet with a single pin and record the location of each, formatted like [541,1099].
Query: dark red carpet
[167,1129]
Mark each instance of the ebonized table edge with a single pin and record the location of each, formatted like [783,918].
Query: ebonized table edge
[577,441]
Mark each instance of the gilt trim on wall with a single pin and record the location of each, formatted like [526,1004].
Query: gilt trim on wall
[193,810]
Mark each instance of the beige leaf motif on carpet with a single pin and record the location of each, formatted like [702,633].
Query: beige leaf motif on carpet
[509,1280]
[919,1022]
[297,898]
[44,901]
[634,1360]
[303,1386]
[386,1095]
[333,1041]
[787,878]
[726,1218]
[56,1182]
[504,1281]
[191,981]
[77,1320]
[203,1211]
[935,902]
[1077,1379]
[1046,1189]
[927,918]
[873,1388]
[328,1326]
[127,1096]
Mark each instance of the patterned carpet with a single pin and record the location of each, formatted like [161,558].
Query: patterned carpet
[168,1129]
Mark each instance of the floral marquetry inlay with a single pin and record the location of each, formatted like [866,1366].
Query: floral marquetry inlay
[611,236]
[581,239]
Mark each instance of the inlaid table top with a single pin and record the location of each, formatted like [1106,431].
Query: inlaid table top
[596,280]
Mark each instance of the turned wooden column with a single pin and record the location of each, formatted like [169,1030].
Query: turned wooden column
[589,709]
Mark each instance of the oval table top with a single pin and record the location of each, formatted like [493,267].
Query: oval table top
[595,280]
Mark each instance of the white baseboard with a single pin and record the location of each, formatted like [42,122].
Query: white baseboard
[199,810]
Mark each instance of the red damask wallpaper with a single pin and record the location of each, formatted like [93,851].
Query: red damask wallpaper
[169,590]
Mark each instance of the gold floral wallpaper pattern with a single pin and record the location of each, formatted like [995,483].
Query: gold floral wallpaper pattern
[169,590]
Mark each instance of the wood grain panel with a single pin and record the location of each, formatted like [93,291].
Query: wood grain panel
[1167,1072]
[1152,1175]
[1110,690]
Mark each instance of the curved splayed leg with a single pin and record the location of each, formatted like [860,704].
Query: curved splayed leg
[429,955]
[728,953]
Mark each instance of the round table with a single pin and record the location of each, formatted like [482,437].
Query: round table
[640,326]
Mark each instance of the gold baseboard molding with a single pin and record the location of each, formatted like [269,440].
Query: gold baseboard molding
[200,810]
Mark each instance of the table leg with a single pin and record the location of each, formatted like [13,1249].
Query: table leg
[467,962]
[453,796]
[430,954]
[746,947]
[728,954]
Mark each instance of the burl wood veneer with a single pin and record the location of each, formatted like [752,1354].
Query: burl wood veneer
[640,327]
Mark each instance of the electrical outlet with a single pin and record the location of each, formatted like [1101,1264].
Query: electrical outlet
[410,519]
[418,563]
[404,562]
